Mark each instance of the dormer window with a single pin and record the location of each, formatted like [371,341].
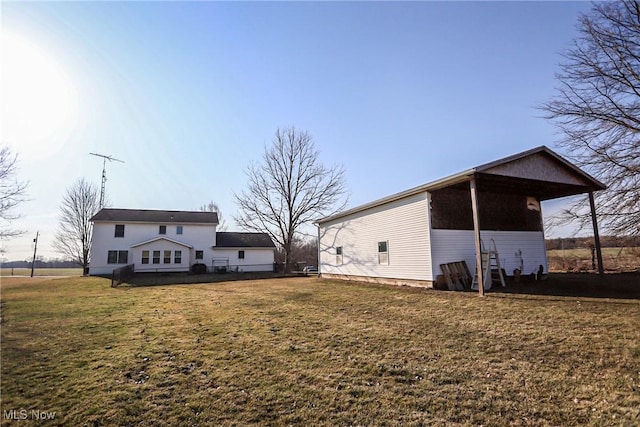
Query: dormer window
[163,229]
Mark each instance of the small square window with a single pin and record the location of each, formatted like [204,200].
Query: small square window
[145,257]
[156,257]
[240,254]
[167,257]
[177,257]
[163,229]
[179,229]
[199,254]
[119,230]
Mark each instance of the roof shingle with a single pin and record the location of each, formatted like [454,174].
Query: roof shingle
[243,240]
[155,216]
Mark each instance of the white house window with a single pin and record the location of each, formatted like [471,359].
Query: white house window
[199,254]
[339,255]
[117,257]
[178,229]
[163,229]
[156,257]
[383,252]
[145,257]
[240,254]
[119,230]
[177,257]
[167,257]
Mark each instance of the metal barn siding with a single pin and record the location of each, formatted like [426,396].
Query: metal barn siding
[403,223]
[458,245]
[445,220]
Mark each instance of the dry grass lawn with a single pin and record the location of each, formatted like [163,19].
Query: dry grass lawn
[306,351]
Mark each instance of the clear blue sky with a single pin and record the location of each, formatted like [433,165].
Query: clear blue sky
[189,93]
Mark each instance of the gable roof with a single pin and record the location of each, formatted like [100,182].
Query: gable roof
[155,216]
[186,245]
[243,240]
[538,172]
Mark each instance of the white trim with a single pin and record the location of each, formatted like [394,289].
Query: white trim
[163,238]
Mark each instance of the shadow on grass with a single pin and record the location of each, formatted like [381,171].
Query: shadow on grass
[163,279]
[583,285]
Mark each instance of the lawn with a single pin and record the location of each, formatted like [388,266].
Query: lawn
[307,351]
[6,272]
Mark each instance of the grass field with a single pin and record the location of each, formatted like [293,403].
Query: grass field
[613,259]
[6,272]
[307,351]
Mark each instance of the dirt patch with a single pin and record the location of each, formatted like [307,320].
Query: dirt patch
[585,285]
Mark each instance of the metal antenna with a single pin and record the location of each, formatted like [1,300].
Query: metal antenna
[104,173]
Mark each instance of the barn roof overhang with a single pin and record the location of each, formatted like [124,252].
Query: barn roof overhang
[538,172]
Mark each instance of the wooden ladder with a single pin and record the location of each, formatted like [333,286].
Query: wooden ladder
[491,267]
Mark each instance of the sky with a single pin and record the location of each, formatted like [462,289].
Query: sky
[188,94]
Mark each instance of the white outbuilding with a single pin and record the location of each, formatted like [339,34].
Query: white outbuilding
[410,237]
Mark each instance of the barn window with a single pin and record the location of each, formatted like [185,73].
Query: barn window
[339,255]
[167,257]
[119,230]
[163,229]
[383,252]
[145,257]
[156,257]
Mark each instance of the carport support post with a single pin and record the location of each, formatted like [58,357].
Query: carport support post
[596,235]
[476,234]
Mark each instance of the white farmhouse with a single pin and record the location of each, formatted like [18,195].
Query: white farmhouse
[406,238]
[172,241]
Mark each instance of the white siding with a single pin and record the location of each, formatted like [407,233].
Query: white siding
[458,245]
[255,259]
[200,236]
[135,257]
[403,223]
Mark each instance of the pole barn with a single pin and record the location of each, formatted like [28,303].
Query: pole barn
[487,216]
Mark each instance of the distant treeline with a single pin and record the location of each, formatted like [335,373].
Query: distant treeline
[585,242]
[41,264]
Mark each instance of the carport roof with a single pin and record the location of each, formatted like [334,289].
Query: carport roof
[538,172]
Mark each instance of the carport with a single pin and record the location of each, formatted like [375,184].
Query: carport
[496,191]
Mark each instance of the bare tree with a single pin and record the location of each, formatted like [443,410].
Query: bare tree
[213,207]
[12,193]
[73,239]
[288,189]
[597,108]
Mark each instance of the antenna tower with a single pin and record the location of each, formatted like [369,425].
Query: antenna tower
[104,173]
